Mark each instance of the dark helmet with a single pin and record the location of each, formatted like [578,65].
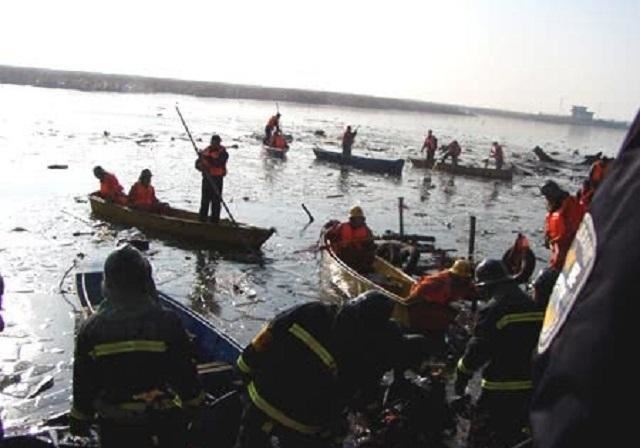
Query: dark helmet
[145,173]
[127,270]
[98,171]
[550,189]
[215,138]
[372,307]
[544,283]
[490,272]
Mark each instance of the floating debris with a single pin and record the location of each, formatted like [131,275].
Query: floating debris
[58,167]
[19,229]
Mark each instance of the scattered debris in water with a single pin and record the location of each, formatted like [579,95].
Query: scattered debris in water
[58,167]
[19,229]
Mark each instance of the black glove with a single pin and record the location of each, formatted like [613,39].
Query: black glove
[79,427]
[460,384]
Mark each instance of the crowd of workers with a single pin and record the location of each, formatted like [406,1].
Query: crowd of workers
[453,150]
[312,361]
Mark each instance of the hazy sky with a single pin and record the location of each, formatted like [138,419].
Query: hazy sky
[530,55]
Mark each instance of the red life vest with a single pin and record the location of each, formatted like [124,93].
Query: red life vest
[279,142]
[210,153]
[353,238]
[110,188]
[141,195]
[561,226]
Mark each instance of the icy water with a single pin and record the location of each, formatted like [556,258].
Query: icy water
[46,218]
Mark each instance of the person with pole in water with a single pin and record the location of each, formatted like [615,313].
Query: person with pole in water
[497,153]
[272,125]
[133,371]
[212,162]
[347,141]
[431,146]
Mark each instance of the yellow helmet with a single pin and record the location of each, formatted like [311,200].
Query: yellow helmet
[356,212]
[462,268]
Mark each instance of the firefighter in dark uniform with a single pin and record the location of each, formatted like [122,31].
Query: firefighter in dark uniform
[312,361]
[501,345]
[584,380]
[133,371]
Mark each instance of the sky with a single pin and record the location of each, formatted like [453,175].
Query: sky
[525,55]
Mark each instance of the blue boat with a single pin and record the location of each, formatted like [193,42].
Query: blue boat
[386,166]
[216,354]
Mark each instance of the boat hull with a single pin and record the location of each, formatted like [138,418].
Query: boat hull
[276,152]
[386,166]
[183,225]
[487,173]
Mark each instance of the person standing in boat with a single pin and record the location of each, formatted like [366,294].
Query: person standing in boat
[564,213]
[452,150]
[347,141]
[497,153]
[501,346]
[142,195]
[110,188]
[212,162]
[133,370]
[430,145]
[278,141]
[272,125]
[431,296]
[352,242]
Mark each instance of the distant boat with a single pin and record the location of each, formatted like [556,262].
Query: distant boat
[386,166]
[465,170]
[183,225]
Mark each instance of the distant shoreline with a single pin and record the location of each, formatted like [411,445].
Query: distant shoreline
[99,82]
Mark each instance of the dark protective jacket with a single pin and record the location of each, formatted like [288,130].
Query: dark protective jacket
[132,358]
[310,361]
[503,340]
[585,385]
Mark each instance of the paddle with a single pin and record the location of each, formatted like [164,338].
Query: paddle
[206,175]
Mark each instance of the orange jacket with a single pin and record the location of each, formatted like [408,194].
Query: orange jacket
[344,235]
[214,160]
[273,122]
[279,142]
[142,195]
[436,292]
[110,188]
[561,226]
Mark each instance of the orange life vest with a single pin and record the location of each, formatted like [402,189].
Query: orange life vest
[210,153]
[110,188]
[279,142]
[560,227]
[273,122]
[353,237]
[142,195]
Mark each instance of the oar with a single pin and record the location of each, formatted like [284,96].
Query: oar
[206,175]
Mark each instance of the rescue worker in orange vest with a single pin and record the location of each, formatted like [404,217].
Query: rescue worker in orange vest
[272,125]
[278,141]
[452,150]
[352,241]
[564,214]
[110,188]
[347,141]
[212,162]
[143,196]
[501,346]
[430,145]
[431,296]
[497,153]
[598,172]
[313,361]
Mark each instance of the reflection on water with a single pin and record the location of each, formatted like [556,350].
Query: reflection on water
[203,297]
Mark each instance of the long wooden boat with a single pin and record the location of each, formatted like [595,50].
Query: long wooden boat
[465,170]
[386,166]
[386,278]
[215,354]
[280,153]
[183,225]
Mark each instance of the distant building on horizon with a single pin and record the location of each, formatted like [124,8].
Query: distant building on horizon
[581,114]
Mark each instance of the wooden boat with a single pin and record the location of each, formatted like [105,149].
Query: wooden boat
[387,166]
[386,278]
[280,153]
[215,352]
[183,225]
[465,170]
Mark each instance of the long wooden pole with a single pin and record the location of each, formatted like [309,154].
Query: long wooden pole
[206,175]
[401,215]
